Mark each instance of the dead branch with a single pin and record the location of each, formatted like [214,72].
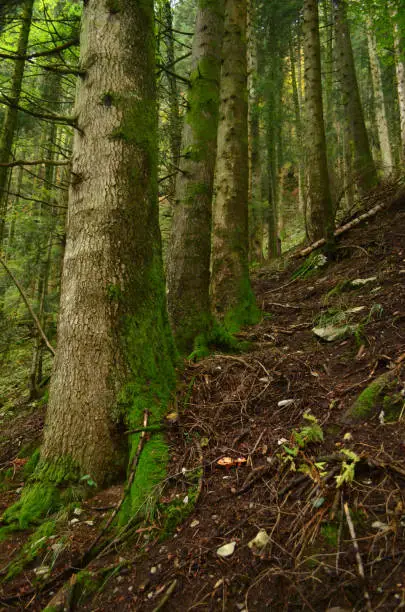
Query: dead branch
[360,566]
[30,310]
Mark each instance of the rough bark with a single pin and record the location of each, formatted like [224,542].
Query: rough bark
[114,355]
[10,117]
[363,163]
[319,207]
[400,73]
[379,103]
[254,188]
[231,292]
[298,123]
[188,267]
[173,125]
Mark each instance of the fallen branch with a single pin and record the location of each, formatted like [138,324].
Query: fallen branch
[30,310]
[36,162]
[344,228]
[166,596]
[360,566]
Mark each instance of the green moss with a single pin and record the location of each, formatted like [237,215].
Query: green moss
[341,287]
[45,493]
[217,338]
[366,403]
[177,511]
[330,533]
[114,293]
[246,311]
[392,406]
[36,543]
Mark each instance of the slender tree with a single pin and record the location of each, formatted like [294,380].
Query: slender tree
[379,102]
[232,297]
[400,74]
[10,117]
[319,202]
[188,268]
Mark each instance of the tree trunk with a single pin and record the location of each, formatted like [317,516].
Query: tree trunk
[400,72]
[363,163]
[188,267]
[232,297]
[10,117]
[114,356]
[319,202]
[379,104]
[298,123]
[173,125]
[254,188]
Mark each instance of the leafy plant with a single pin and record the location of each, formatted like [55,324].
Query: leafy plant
[347,470]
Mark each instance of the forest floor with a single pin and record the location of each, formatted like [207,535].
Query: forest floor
[325,490]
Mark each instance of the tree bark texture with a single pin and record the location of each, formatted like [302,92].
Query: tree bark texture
[399,48]
[188,267]
[319,202]
[363,163]
[10,117]
[230,285]
[254,189]
[114,344]
[379,103]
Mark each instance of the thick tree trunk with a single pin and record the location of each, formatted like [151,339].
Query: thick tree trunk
[232,297]
[363,163]
[188,267]
[10,117]
[114,355]
[319,202]
[379,103]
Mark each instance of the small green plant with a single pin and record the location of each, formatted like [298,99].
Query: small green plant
[88,480]
[347,469]
[310,265]
[308,434]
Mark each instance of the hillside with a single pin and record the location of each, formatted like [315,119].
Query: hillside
[313,469]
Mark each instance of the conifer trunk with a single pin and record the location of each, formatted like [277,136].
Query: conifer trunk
[232,297]
[363,163]
[10,117]
[188,267]
[319,207]
[400,73]
[379,103]
[114,354]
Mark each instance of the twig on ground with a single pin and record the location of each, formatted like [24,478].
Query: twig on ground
[166,596]
[360,566]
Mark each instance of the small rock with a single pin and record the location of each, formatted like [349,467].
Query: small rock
[360,282]
[42,570]
[226,550]
[185,500]
[119,579]
[78,511]
[153,570]
[150,595]
[130,589]
[259,541]
[74,521]
[284,403]
[90,523]
[330,333]
[379,525]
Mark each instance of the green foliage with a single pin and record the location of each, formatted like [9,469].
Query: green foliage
[218,338]
[347,470]
[314,262]
[36,544]
[330,533]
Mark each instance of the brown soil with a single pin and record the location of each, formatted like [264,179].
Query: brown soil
[310,561]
